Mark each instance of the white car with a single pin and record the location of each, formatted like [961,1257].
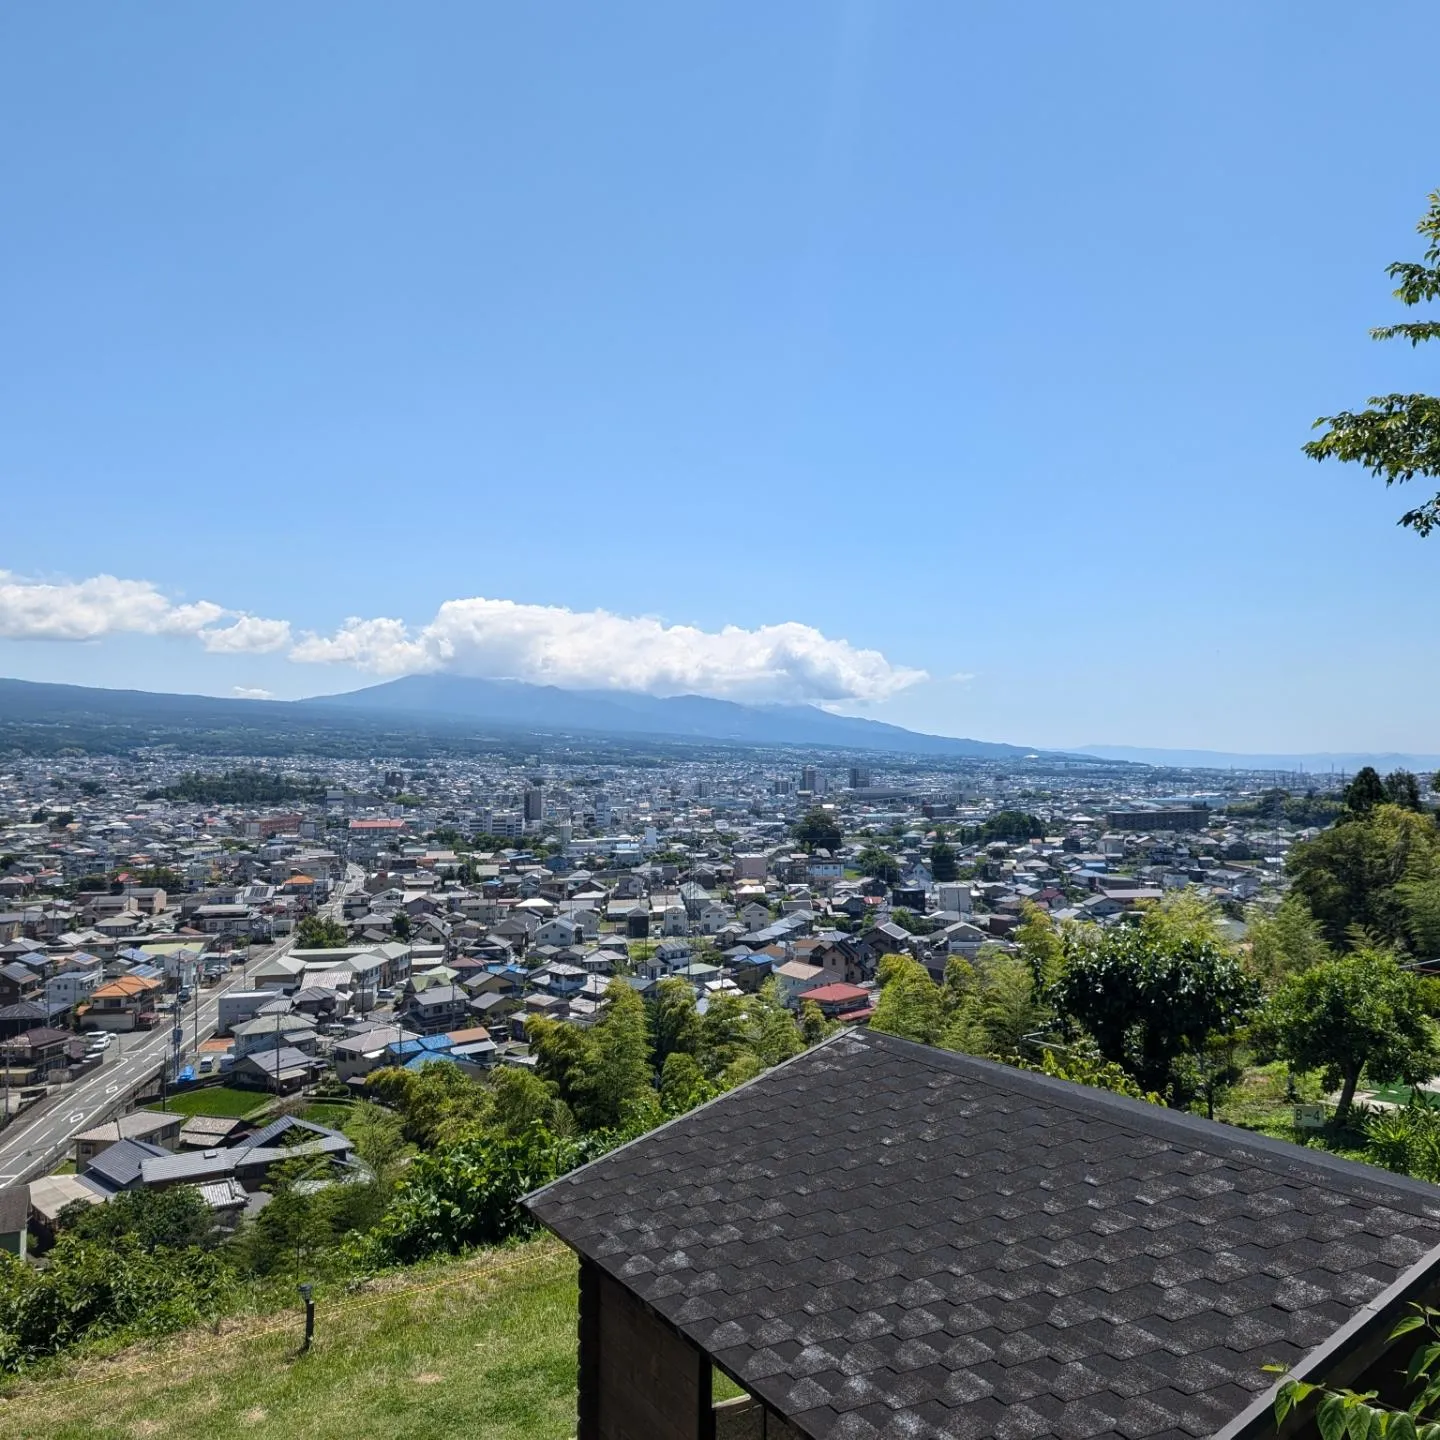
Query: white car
[102,1041]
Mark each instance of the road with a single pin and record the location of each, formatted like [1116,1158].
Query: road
[37,1139]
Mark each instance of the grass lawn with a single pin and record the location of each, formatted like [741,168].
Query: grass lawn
[333,1113]
[215,1100]
[480,1348]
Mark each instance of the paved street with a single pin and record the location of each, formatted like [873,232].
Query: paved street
[37,1138]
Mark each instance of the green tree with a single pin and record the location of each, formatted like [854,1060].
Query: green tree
[523,1100]
[814,1027]
[674,1023]
[909,1003]
[400,925]
[1368,875]
[683,1085]
[469,1194]
[1397,437]
[173,1219]
[1286,942]
[622,1074]
[1365,791]
[1040,944]
[1002,1009]
[1015,826]
[818,829]
[603,1072]
[943,865]
[1148,1002]
[879,865]
[724,1034]
[438,1104]
[294,1228]
[1402,788]
[774,1036]
[1347,1014]
[320,932]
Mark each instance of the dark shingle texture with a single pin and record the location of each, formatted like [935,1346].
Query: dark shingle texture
[879,1239]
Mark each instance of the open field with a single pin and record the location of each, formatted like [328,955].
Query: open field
[214,1100]
[482,1347]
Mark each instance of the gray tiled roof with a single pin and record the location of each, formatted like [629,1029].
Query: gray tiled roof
[879,1235]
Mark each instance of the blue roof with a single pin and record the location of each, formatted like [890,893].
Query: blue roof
[418,1044]
[421,1061]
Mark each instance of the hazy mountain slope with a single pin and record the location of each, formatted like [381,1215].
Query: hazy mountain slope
[620,712]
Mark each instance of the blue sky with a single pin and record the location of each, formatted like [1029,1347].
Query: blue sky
[972,340]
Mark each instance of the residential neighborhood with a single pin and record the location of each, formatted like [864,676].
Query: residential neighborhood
[397,916]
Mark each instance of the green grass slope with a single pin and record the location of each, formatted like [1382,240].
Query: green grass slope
[483,1347]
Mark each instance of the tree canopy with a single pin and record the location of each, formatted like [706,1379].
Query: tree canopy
[818,829]
[1397,437]
[320,932]
[1149,998]
[1377,874]
[1349,1013]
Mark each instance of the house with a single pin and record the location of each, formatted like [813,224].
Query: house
[795,977]
[118,1167]
[38,1055]
[15,1220]
[753,915]
[205,1132]
[18,982]
[357,1055]
[880,1238]
[159,1127]
[267,1032]
[17,1019]
[282,1069]
[850,1004]
[119,1003]
[560,931]
[434,1010]
[71,987]
[50,1195]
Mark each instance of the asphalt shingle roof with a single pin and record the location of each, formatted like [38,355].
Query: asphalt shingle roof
[880,1234]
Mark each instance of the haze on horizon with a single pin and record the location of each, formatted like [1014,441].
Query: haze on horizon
[945,366]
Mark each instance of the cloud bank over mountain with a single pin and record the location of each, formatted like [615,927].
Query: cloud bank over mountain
[485,638]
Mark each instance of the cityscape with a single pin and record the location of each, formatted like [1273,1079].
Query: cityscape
[716,722]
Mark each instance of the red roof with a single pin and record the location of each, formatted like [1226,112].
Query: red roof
[837,994]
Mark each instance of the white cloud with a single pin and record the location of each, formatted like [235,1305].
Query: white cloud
[251,692]
[249,635]
[546,644]
[495,639]
[106,605]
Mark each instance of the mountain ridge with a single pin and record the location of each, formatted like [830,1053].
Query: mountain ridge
[456,702]
[629,712]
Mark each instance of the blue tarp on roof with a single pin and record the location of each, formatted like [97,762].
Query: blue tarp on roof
[421,1061]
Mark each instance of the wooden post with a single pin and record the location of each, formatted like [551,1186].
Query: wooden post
[588,1398]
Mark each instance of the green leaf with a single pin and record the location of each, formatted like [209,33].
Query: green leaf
[1331,1418]
[1358,1416]
[1409,1323]
[1401,1427]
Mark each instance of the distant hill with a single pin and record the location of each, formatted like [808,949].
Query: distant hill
[617,712]
[1317,763]
[439,713]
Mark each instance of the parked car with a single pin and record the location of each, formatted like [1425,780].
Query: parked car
[207,1064]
